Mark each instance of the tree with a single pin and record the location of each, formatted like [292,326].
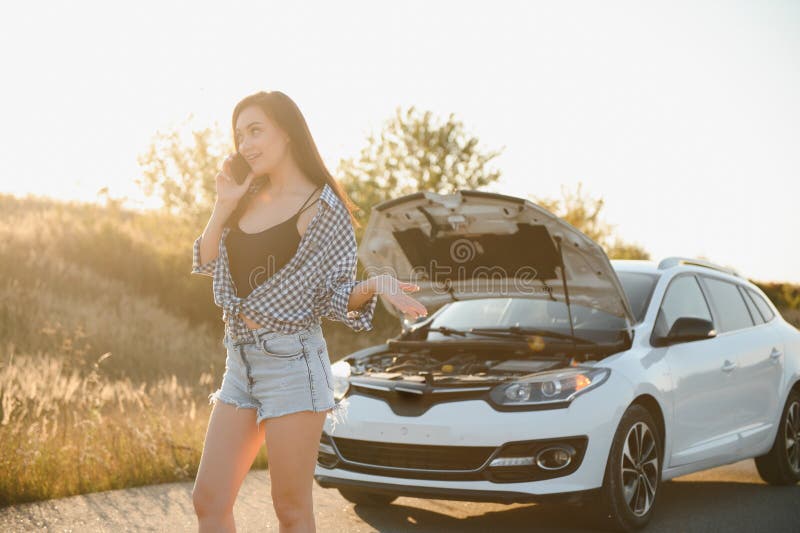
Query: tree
[620,249]
[182,173]
[584,213]
[415,151]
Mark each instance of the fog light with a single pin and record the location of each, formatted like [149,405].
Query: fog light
[326,456]
[512,461]
[555,457]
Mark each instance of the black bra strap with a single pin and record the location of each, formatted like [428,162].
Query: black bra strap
[304,206]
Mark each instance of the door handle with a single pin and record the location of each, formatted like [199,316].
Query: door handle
[775,354]
[728,366]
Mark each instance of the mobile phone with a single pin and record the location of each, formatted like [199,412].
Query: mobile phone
[240,168]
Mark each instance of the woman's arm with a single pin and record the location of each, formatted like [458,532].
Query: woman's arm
[340,297]
[393,289]
[361,294]
[206,247]
[205,250]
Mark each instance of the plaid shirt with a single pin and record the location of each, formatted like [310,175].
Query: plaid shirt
[315,283]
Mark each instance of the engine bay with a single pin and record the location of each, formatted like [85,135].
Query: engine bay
[461,369]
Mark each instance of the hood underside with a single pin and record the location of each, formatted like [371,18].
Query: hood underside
[473,244]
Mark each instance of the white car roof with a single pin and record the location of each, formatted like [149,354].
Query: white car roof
[653,267]
[635,265]
[674,265]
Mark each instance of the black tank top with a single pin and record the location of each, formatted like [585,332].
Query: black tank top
[255,257]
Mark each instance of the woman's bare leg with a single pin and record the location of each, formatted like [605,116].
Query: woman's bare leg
[292,446]
[231,444]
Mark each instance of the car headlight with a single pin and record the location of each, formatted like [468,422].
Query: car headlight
[341,379]
[554,386]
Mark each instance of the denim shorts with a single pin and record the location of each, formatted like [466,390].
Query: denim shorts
[277,373]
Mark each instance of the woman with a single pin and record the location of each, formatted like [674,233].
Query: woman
[282,253]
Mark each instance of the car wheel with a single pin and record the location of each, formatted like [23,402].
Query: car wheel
[360,497]
[781,465]
[633,472]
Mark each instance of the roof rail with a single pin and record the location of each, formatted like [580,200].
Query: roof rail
[670,262]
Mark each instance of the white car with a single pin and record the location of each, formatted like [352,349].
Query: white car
[528,384]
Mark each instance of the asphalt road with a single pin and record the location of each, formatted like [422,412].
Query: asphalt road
[730,498]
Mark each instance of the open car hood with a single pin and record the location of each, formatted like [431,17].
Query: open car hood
[473,244]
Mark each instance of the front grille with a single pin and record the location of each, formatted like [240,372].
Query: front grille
[456,463]
[416,456]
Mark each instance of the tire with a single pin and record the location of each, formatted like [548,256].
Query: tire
[781,465]
[627,500]
[360,497]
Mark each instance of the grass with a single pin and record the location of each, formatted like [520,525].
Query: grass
[67,430]
[101,386]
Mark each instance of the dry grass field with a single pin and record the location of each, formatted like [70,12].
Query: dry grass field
[102,384]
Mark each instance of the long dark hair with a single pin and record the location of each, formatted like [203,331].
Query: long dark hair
[286,115]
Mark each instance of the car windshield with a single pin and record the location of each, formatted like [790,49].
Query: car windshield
[525,313]
[638,287]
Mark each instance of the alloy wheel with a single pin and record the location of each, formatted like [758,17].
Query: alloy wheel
[640,468]
[792,433]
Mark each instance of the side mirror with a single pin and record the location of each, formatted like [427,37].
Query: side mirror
[687,329]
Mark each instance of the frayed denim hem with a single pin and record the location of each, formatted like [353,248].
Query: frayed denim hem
[335,412]
[339,412]
[218,395]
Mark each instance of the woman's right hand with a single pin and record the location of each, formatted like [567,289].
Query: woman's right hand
[228,191]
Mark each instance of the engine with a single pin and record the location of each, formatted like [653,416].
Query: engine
[441,370]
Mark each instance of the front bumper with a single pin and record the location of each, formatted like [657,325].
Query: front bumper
[470,425]
[452,463]
[443,493]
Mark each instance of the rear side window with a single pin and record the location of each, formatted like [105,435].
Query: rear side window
[682,299]
[729,304]
[766,310]
[755,313]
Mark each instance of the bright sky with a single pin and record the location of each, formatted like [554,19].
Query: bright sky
[683,116]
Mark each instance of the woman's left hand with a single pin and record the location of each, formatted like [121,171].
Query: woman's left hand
[394,290]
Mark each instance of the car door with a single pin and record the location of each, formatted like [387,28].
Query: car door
[767,364]
[755,375]
[774,343]
[704,423]
[760,351]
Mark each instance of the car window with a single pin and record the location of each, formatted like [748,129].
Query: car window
[755,313]
[638,287]
[528,313]
[766,310]
[474,313]
[729,304]
[682,299]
